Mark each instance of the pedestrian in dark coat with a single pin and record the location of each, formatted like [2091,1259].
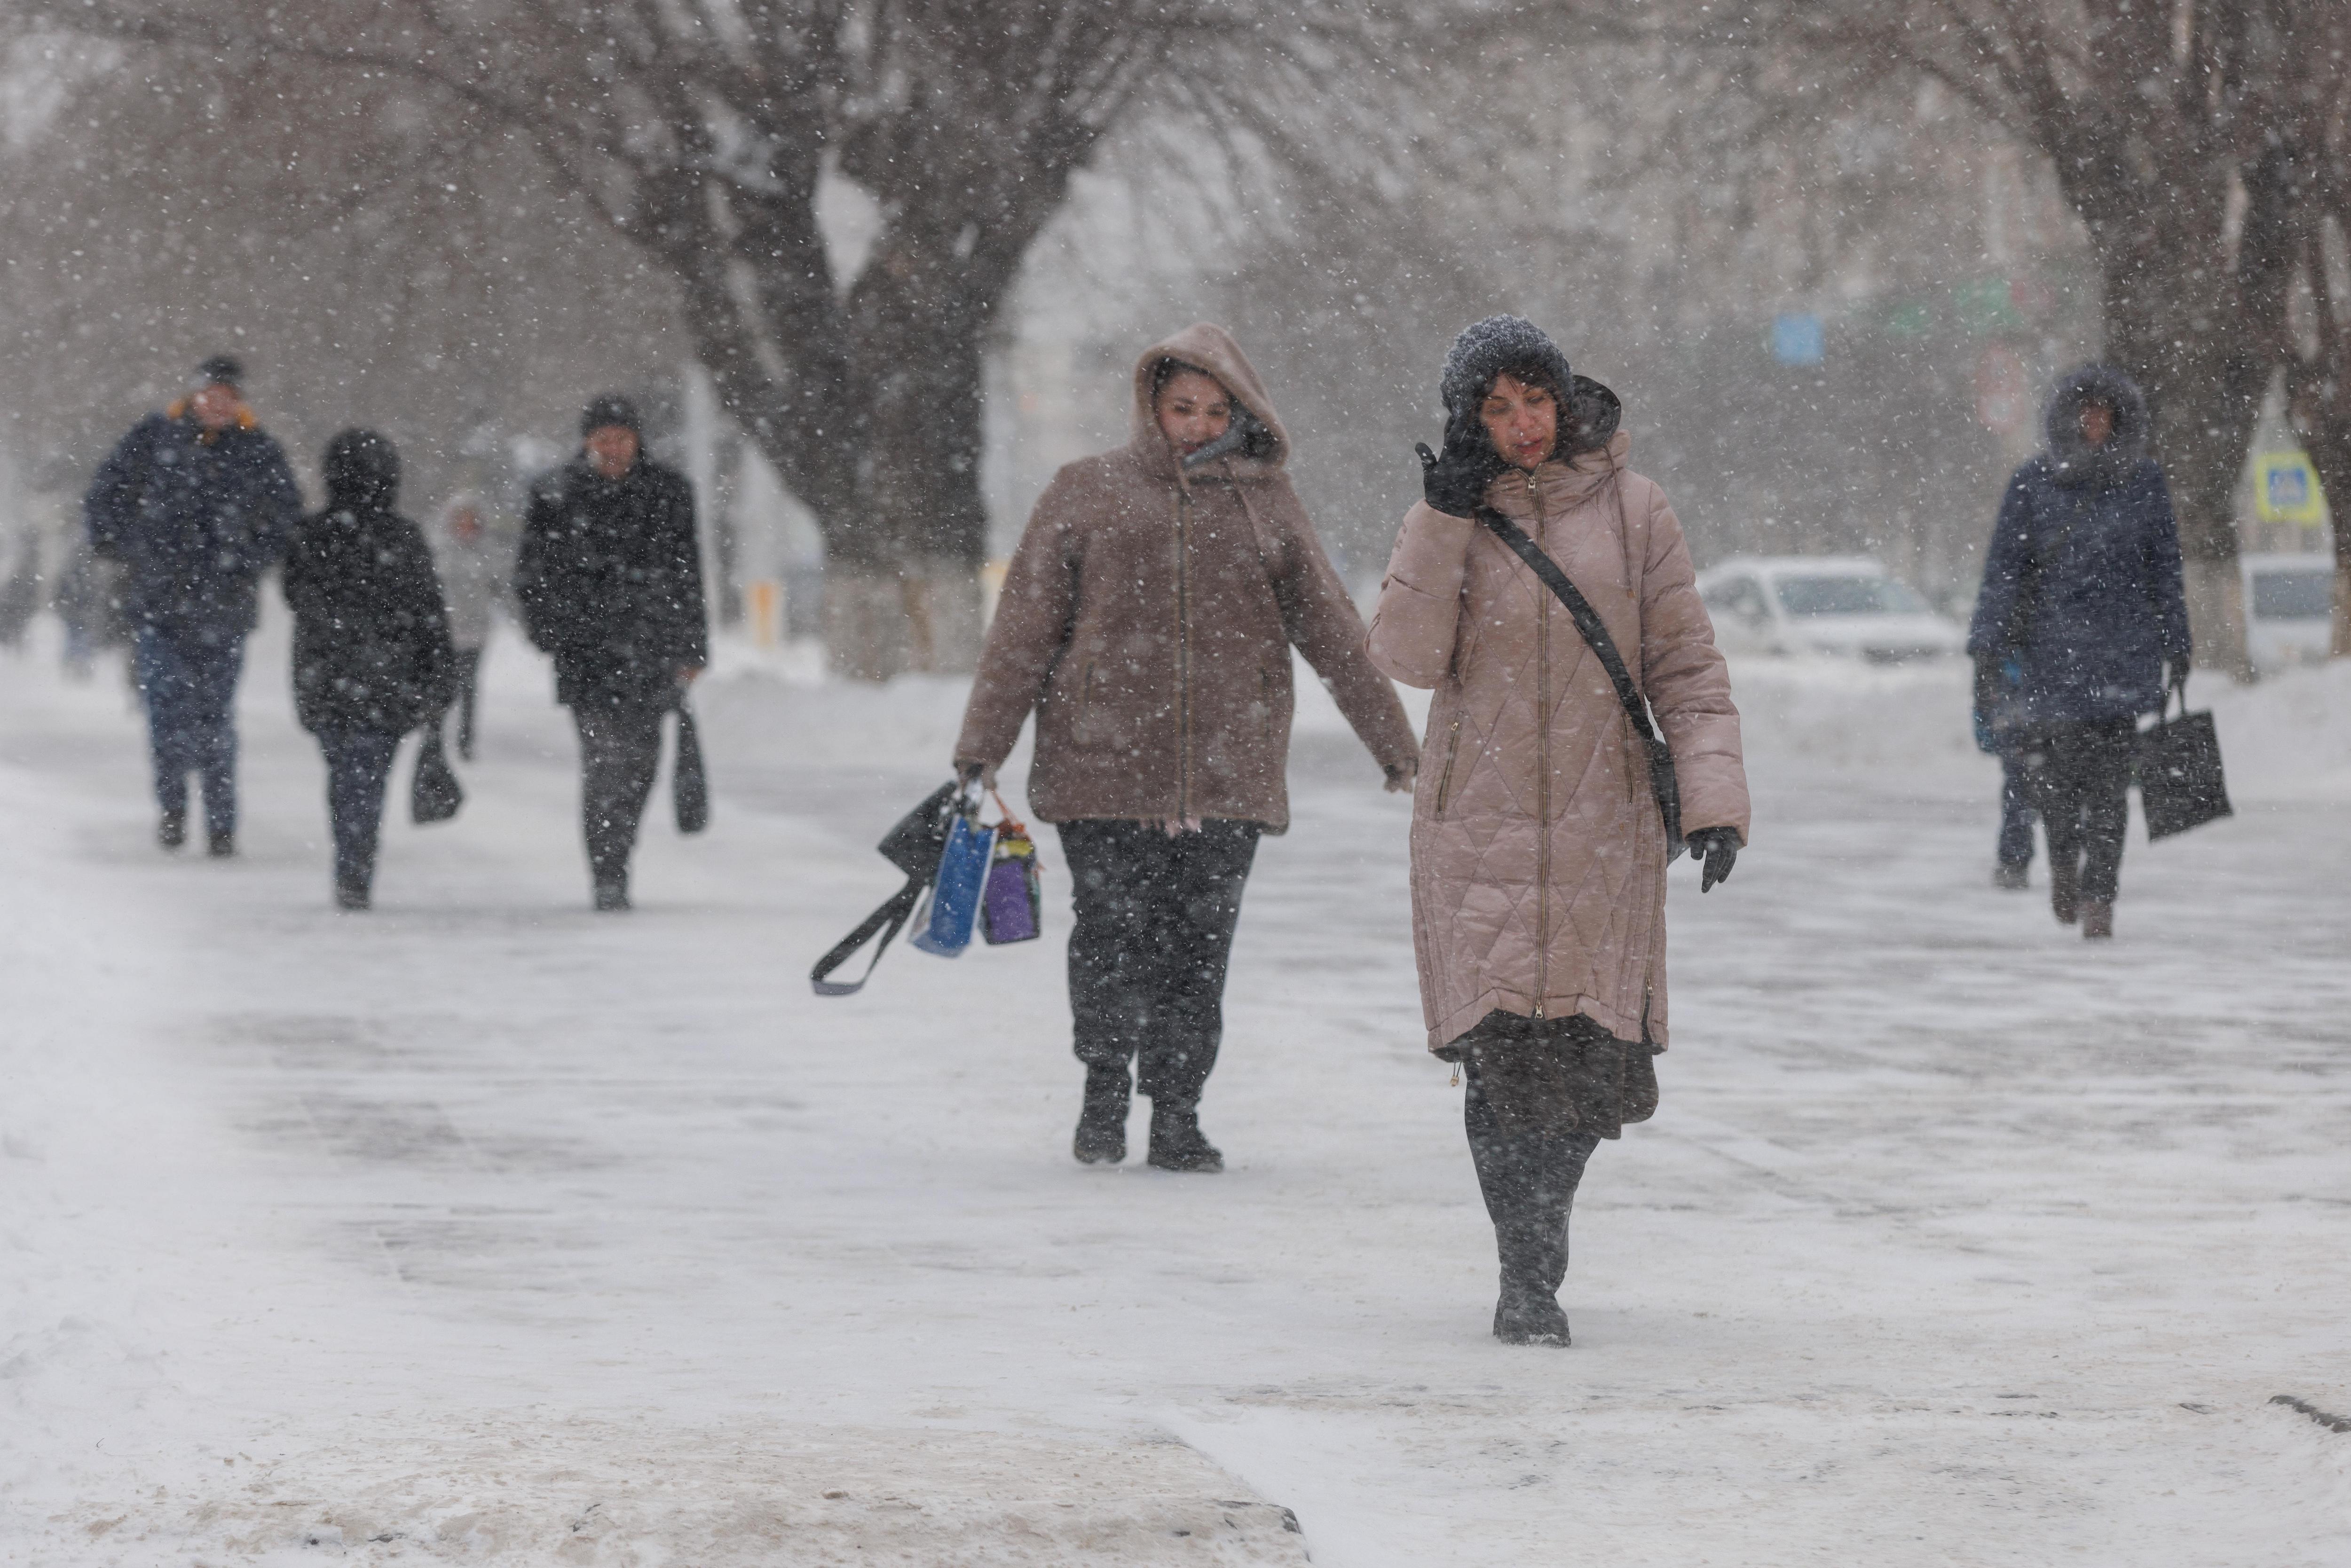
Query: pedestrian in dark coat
[194,503]
[608,580]
[2081,597]
[372,658]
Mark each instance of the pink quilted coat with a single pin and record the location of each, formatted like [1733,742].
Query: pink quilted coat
[1538,859]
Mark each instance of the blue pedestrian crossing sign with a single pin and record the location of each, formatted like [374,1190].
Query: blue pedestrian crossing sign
[2286,489]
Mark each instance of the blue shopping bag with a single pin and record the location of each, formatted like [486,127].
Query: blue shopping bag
[945,928]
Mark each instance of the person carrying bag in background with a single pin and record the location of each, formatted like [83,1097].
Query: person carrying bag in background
[1148,620]
[1547,812]
[2082,595]
[373,656]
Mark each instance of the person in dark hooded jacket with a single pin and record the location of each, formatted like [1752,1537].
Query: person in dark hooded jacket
[2082,600]
[372,658]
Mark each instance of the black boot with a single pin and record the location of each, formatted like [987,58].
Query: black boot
[1102,1124]
[1529,1315]
[1177,1143]
[351,895]
[612,895]
[173,831]
[219,844]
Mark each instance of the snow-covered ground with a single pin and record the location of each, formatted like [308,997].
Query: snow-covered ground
[482,1229]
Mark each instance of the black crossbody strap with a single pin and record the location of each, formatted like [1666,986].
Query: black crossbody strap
[1587,620]
[1663,782]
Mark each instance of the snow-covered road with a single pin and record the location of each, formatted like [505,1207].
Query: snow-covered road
[484,1229]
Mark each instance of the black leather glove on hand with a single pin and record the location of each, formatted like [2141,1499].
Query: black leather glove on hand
[1455,483]
[2174,679]
[1719,848]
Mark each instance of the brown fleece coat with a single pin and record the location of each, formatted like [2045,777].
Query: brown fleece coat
[1147,618]
[1538,859]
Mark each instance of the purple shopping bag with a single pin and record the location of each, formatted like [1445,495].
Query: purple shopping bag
[1010,907]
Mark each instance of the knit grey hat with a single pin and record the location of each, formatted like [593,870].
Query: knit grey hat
[1486,349]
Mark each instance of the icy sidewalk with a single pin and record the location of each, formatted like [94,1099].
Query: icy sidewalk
[509,1233]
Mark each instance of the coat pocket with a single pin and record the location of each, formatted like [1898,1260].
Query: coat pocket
[1084,728]
[1445,778]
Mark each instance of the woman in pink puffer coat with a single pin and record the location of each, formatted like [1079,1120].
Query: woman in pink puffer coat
[1538,852]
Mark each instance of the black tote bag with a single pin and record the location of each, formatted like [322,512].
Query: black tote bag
[2178,766]
[689,785]
[434,793]
[914,846]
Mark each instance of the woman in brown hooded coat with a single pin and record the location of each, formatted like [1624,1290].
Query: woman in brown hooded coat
[1147,618]
[1538,849]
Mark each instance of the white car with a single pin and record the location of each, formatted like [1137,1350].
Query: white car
[2288,602]
[1848,605]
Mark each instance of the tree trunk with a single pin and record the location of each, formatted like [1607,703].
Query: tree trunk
[2180,332]
[902,561]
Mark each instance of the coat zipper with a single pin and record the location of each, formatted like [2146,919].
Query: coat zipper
[1542,765]
[1445,779]
[1183,652]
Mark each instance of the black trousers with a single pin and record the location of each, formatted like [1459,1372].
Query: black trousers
[358,766]
[2015,812]
[619,752]
[2079,779]
[1529,1162]
[469,691]
[1148,953]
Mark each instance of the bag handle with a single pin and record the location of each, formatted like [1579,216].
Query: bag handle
[892,915]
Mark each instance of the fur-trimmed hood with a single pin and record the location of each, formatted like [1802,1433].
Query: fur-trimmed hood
[2071,461]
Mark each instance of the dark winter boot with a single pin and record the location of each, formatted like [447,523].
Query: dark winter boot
[1530,1317]
[173,831]
[2011,878]
[219,845]
[351,895]
[1102,1124]
[2065,888]
[2098,922]
[1177,1142]
[611,896]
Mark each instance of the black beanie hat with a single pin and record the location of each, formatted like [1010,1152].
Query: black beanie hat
[221,369]
[612,408]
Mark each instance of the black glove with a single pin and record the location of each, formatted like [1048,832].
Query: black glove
[2174,679]
[1719,848]
[968,773]
[1455,483]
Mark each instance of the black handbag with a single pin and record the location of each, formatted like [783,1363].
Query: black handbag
[914,846]
[2178,767]
[1663,784]
[689,785]
[434,793]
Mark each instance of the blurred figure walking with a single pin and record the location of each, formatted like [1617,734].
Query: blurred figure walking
[1147,618]
[2013,853]
[608,580]
[2082,590]
[1538,859]
[372,658]
[475,562]
[194,503]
